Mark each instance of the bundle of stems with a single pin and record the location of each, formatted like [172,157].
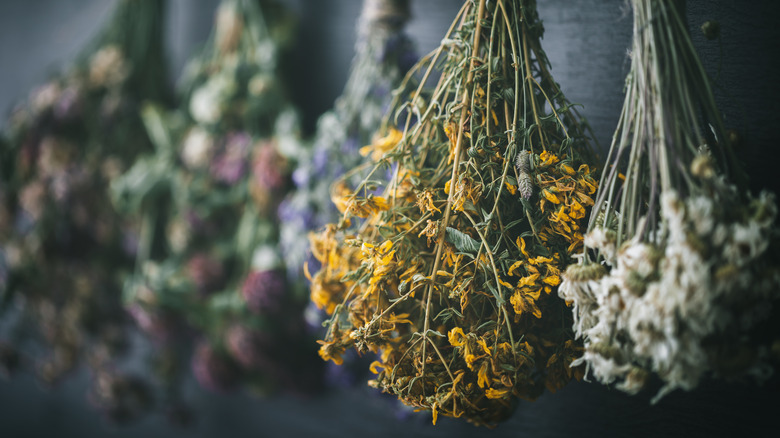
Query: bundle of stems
[65,245]
[208,268]
[446,257]
[681,269]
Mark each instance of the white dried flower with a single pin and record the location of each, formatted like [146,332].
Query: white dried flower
[208,102]
[108,67]
[45,96]
[746,242]
[205,105]
[178,234]
[197,148]
[664,298]
[702,216]
[604,240]
[260,84]
[579,286]
[266,258]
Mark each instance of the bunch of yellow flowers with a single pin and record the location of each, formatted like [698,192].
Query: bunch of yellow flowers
[447,267]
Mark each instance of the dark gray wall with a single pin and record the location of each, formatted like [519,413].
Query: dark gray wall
[586,41]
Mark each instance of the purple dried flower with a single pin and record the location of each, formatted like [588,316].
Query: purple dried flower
[351,145]
[269,169]
[302,216]
[69,104]
[301,177]
[199,223]
[157,326]
[287,211]
[130,240]
[250,348]
[264,291]
[206,273]
[212,370]
[320,161]
[229,165]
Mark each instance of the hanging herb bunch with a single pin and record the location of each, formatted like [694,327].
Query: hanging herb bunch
[63,246]
[383,54]
[210,286]
[679,271]
[448,269]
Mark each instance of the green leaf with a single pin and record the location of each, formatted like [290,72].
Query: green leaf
[463,242]
[435,333]
[416,278]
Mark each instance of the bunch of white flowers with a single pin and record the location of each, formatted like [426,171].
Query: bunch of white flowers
[681,270]
[671,304]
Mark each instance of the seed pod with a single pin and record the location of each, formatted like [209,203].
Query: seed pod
[522,162]
[525,186]
[524,183]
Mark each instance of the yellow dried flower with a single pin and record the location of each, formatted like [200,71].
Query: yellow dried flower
[382,145]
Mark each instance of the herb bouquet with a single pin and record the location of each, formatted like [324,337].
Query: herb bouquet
[680,273]
[447,269]
[383,54]
[63,246]
[209,269]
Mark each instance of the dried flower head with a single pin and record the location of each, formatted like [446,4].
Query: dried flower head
[251,348]
[264,291]
[206,273]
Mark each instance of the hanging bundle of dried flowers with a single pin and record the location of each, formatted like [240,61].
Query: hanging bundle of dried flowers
[383,54]
[209,266]
[446,268]
[63,246]
[681,270]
